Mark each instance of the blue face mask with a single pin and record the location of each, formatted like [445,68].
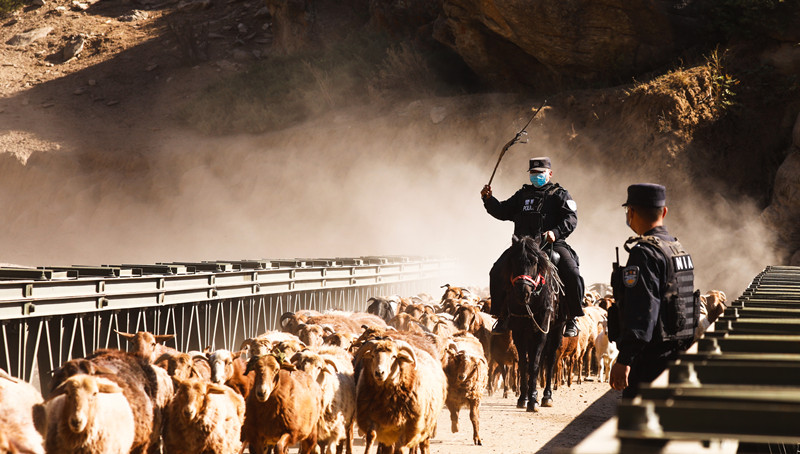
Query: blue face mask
[539,179]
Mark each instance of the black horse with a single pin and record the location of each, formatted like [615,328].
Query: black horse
[536,322]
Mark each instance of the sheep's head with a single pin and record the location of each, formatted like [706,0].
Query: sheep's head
[144,343]
[221,362]
[81,393]
[465,317]
[387,357]
[464,365]
[311,335]
[190,396]
[267,373]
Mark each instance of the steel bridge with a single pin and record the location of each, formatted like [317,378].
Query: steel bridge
[738,391]
[54,314]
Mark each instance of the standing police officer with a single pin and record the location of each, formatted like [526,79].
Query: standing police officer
[657,307]
[540,210]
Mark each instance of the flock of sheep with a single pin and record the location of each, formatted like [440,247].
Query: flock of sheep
[390,371]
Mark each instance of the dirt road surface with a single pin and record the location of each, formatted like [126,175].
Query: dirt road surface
[578,411]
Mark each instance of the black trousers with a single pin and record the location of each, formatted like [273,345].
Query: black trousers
[499,281]
[649,364]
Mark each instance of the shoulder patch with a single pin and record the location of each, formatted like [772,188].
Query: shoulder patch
[630,276]
[572,205]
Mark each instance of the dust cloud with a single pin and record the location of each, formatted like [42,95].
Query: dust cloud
[349,184]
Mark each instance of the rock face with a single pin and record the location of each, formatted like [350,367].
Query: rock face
[301,24]
[583,39]
[784,210]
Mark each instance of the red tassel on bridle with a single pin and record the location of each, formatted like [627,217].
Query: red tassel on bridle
[536,283]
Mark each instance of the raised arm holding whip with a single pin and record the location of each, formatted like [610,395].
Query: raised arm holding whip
[542,210]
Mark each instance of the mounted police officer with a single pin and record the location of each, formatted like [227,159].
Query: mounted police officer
[656,306]
[544,210]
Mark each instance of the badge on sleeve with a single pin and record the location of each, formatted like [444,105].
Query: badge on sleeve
[630,276]
[572,205]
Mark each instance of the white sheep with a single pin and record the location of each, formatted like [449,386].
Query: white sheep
[333,370]
[17,431]
[87,414]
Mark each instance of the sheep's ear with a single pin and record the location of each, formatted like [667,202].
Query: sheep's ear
[108,387]
[60,389]
[214,388]
[288,366]
[40,418]
[128,336]
[251,365]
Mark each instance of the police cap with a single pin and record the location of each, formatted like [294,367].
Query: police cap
[646,195]
[539,164]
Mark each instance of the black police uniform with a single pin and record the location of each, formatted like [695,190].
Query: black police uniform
[535,211]
[656,308]
[641,344]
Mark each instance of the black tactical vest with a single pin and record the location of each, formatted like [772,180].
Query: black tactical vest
[680,303]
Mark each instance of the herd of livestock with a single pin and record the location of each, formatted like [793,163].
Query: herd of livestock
[389,371]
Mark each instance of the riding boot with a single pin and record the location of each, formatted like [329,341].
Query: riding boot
[501,325]
[571,328]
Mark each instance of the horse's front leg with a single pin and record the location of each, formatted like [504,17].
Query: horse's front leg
[534,361]
[553,344]
[521,341]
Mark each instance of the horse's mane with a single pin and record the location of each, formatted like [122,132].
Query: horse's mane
[532,256]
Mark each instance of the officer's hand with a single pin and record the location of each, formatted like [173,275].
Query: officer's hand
[619,376]
[486,192]
[549,236]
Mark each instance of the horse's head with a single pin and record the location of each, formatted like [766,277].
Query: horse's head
[531,273]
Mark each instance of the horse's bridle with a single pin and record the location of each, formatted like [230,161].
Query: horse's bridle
[538,286]
[537,283]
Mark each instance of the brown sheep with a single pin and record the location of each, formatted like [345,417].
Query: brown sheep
[184,365]
[264,343]
[469,318]
[313,335]
[399,394]
[148,345]
[290,321]
[467,377]
[283,407]
[204,418]
[503,362]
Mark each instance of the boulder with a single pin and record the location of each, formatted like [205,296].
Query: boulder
[24,39]
[579,39]
[784,209]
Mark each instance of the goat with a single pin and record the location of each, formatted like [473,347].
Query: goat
[263,343]
[185,365]
[503,361]
[334,373]
[148,345]
[204,418]
[17,400]
[87,414]
[382,307]
[469,318]
[312,335]
[605,351]
[228,368]
[467,377]
[399,394]
[283,407]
